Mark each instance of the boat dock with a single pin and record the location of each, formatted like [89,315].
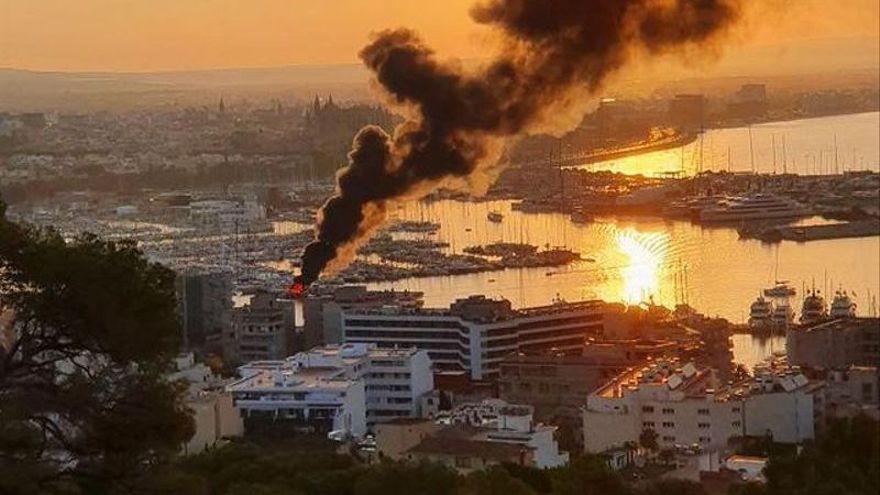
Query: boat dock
[860,228]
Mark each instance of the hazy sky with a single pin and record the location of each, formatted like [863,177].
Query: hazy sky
[147,35]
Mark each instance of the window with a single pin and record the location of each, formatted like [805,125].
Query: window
[703,412]
[668,424]
[735,409]
[705,440]
[668,410]
[735,424]
[703,426]
[668,438]
[647,409]
[648,424]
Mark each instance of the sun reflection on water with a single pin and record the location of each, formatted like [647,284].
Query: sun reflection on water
[645,254]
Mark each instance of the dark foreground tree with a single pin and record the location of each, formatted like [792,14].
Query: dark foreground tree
[845,459]
[87,330]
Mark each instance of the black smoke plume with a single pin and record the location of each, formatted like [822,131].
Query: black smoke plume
[555,53]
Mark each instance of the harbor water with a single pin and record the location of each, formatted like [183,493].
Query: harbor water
[671,261]
[806,147]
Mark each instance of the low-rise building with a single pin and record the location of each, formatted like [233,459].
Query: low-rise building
[687,407]
[214,416]
[474,437]
[781,404]
[852,391]
[350,387]
[677,401]
[835,344]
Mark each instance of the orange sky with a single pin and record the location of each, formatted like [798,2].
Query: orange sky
[148,35]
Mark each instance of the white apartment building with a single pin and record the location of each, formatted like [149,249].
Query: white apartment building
[337,388]
[476,333]
[686,408]
[678,402]
[498,421]
[214,416]
[781,403]
[294,391]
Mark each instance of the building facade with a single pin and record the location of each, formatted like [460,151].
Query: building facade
[686,406]
[354,386]
[205,307]
[263,328]
[475,334]
[835,344]
[322,309]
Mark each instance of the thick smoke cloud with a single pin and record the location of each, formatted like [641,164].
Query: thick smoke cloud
[554,52]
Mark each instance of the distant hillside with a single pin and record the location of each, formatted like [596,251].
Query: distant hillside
[22,90]
[826,60]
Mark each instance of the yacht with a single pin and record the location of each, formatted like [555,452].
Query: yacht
[753,207]
[843,306]
[814,308]
[760,314]
[783,315]
[494,216]
[781,289]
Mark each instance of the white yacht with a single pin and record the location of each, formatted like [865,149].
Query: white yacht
[843,306]
[781,289]
[783,315]
[759,206]
[815,308]
[760,314]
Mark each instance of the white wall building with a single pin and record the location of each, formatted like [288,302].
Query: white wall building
[677,401]
[348,386]
[685,407]
[476,333]
[214,416]
[501,422]
[782,404]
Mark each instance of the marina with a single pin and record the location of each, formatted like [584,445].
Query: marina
[817,146]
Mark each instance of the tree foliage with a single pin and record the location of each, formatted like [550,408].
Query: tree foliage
[89,327]
[846,459]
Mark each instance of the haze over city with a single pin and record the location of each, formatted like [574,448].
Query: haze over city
[532,247]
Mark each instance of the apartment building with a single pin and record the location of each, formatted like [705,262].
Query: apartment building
[323,306]
[263,328]
[476,333]
[349,387]
[687,406]
[473,437]
[835,344]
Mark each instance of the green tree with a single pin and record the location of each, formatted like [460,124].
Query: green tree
[587,475]
[494,481]
[391,478]
[89,329]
